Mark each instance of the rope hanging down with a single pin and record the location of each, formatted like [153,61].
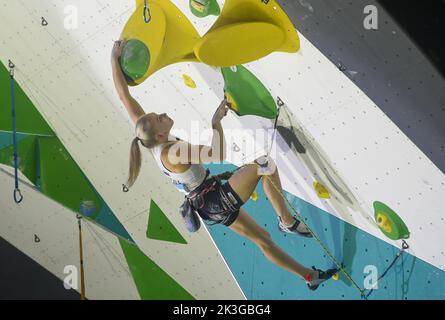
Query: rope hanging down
[338,264]
[398,255]
[17,194]
[280,103]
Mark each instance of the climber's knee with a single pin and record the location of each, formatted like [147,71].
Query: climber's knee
[265,165]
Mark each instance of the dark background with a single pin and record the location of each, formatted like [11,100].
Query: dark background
[424,22]
[23,278]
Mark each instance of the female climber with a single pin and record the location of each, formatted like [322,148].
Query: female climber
[214,201]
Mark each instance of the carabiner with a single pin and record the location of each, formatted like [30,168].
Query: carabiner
[15,195]
[147,11]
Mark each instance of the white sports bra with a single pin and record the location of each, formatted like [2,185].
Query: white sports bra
[186,181]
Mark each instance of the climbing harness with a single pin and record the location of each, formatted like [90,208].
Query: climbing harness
[17,194]
[188,211]
[196,198]
[82,275]
[147,13]
[195,201]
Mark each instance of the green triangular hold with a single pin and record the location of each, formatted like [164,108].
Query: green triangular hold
[61,178]
[28,119]
[246,94]
[160,228]
[152,282]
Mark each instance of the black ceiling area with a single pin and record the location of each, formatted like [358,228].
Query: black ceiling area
[424,22]
[21,278]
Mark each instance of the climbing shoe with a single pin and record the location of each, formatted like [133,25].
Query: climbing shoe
[322,277]
[297,228]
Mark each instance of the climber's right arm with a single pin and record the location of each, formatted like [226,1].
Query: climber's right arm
[134,109]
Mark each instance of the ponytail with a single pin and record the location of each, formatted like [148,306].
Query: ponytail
[145,134]
[135,162]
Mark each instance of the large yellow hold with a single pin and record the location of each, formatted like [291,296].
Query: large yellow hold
[169,36]
[245,31]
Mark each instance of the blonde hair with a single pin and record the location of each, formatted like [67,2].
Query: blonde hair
[144,133]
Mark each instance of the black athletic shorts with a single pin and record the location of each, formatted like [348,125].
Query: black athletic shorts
[220,205]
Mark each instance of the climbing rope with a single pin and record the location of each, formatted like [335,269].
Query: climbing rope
[147,13]
[338,264]
[17,194]
[102,242]
[82,274]
[280,103]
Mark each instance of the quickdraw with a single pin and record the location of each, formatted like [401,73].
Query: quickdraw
[17,193]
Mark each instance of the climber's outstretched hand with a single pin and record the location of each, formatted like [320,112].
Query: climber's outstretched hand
[117,49]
